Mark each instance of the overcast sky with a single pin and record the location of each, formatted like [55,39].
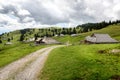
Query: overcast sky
[20,14]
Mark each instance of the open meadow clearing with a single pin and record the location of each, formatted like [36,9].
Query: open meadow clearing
[82,62]
[59,39]
[10,53]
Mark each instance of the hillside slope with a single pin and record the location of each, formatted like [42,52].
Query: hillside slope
[112,30]
[28,33]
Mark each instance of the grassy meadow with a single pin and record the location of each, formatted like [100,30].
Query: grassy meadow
[10,53]
[82,62]
[75,62]
[73,40]
[112,30]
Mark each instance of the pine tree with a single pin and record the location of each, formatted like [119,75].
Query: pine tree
[22,37]
[36,36]
[0,41]
[9,40]
[74,30]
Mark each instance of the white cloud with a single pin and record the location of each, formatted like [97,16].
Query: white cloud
[43,13]
[23,12]
[7,19]
[28,19]
[1,7]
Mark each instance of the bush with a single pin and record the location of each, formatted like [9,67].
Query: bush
[8,40]
[102,51]
[0,41]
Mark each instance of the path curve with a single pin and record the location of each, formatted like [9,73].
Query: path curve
[27,68]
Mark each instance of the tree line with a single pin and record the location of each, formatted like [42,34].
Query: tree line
[48,32]
[96,26]
[52,31]
[8,37]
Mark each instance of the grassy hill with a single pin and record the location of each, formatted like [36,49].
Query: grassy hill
[6,50]
[17,50]
[82,62]
[76,62]
[10,53]
[112,30]
[16,35]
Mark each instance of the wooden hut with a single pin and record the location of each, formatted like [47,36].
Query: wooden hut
[100,38]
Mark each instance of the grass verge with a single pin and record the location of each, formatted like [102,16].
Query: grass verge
[82,62]
[10,53]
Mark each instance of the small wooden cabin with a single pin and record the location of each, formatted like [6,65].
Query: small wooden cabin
[100,38]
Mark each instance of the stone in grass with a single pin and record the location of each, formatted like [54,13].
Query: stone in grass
[114,51]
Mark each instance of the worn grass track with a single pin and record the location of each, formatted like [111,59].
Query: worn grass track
[26,68]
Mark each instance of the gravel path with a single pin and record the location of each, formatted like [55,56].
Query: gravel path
[27,68]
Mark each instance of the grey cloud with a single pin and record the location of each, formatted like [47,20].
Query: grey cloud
[14,10]
[7,9]
[3,23]
[118,15]
[75,10]
[80,14]
[42,15]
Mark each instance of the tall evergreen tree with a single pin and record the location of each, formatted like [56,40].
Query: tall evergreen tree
[74,30]
[22,37]
[9,40]
[0,41]
[36,36]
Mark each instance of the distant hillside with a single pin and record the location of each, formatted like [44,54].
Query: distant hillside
[96,26]
[26,34]
[112,30]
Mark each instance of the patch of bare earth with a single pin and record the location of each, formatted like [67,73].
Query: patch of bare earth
[27,68]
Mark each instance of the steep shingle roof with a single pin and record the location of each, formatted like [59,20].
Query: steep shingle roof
[100,38]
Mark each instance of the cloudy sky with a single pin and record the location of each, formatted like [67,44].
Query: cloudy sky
[20,14]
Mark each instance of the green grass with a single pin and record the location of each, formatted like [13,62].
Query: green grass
[10,53]
[112,30]
[73,40]
[82,62]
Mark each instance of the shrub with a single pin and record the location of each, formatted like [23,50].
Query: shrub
[0,41]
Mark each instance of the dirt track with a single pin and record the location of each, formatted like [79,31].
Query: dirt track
[27,68]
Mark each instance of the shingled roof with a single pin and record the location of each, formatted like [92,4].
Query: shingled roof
[100,38]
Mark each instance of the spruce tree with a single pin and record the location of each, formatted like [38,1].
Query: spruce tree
[22,37]
[9,40]
[0,41]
